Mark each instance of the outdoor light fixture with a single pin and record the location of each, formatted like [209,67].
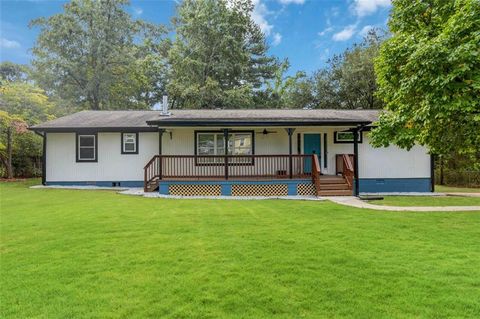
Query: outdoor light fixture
[266,132]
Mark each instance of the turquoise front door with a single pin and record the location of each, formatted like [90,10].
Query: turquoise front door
[311,145]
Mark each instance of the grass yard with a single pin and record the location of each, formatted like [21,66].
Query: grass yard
[97,254]
[450,189]
[427,201]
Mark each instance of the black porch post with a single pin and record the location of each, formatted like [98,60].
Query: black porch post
[290,151]
[225,138]
[160,135]
[355,160]
[432,173]
[160,150]
[44,159]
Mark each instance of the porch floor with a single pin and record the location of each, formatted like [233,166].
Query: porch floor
[327,179]
[330,185]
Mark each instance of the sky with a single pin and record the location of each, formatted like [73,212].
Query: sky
[307,32]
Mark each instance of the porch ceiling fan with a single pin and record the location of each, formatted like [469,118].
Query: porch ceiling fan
[266,132]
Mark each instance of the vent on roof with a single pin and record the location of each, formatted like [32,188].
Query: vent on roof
[165,111]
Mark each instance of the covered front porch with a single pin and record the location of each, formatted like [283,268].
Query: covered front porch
[250,162]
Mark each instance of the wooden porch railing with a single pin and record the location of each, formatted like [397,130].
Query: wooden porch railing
[347,172]
[316,173]
[238,167]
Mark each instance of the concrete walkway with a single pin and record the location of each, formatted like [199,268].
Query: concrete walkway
[355,202]
[342,200]
[463,194]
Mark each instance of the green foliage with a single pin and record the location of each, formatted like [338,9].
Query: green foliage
[27,101]
[10,127]
[285,91]
[12,72]
[450,189]
[22,103]
[349,80]
[218,58]
[429,77]
[94,55]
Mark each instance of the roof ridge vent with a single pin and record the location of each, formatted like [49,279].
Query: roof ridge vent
[165,111]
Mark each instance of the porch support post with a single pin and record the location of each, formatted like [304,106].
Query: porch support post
[225,138]
[290,151]
[160,135]
[44,159]
[355,160]
[432,173]
[44,156]
[160,150]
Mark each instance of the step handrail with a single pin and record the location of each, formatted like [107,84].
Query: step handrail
[347,172]
[151,172]
[316,173]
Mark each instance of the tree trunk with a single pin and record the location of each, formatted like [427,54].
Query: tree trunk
[9,153]
[441,171]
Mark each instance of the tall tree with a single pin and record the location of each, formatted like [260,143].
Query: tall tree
[10,126]
[348,82]
[286,91]
[93,54]
[22,103]
[12,72]
[219,56]
[429,77]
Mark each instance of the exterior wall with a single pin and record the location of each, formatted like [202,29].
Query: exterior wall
[112,166]
[386,169]
[180,141]
[393,162]
[383,169]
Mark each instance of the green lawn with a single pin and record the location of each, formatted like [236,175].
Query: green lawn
[427,201]
[97,254]
[450,189]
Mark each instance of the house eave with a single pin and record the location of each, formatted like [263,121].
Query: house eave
[94,129]
[171,123]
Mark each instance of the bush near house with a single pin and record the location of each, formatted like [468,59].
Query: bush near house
[462,178]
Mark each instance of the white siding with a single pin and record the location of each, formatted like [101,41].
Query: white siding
[390,162]
[111,165]
[393,162]
[180,141]
[385,162]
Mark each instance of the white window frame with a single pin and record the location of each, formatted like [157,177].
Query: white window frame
[124,142]
[79,147]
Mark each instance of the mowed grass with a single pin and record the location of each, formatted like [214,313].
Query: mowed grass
[451,189]
[427,201]
[97,254]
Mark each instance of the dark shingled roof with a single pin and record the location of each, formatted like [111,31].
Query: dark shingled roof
[148,120]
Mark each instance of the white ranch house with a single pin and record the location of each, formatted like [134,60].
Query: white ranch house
[267,153]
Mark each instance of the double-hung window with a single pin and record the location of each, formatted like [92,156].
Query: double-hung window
[86,147]
[129,143]
[213,143]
